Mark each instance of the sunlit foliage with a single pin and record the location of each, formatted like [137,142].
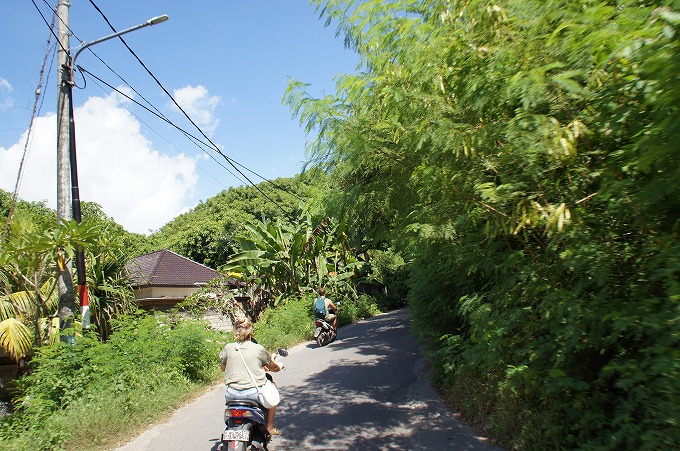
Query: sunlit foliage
[523,155]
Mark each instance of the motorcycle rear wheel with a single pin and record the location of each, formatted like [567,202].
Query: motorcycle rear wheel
[323,339]
[235,446]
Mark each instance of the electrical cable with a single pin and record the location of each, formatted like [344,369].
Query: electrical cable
[37,106]
[168,142]
[51,27]
[191,137]
[214,146]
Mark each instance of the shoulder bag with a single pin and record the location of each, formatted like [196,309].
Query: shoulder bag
[268,394]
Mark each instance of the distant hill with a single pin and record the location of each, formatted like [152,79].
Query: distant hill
[206,233]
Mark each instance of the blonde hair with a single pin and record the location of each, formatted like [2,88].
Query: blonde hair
[244,330]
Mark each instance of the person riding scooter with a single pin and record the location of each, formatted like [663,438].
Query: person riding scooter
[324,308]
[239,383]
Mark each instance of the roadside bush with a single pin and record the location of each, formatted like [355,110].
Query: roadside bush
[288,324]
[353,310]
[108,389]
[292,321]
[390,269]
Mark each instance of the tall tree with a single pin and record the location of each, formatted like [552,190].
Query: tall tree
[524,155]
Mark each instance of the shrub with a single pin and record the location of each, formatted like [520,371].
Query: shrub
[352,310]
[148,365]
[390,269]
[285,325]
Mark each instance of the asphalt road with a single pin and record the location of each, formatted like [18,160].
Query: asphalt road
[368,390]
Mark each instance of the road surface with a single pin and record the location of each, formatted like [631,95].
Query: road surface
[368,390]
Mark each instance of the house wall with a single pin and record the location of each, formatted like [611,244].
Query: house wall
[159,292]
[164,298]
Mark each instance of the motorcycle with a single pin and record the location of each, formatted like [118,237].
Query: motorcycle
[246,423]
[324,332]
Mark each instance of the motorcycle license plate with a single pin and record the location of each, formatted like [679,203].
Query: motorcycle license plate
[239,435]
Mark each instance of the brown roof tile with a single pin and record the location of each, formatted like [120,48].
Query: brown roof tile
[166,268]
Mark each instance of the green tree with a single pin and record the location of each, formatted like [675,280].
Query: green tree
[290,260]
[206,233]
[524,158]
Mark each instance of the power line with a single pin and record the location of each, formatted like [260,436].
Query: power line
[156,112]
[191,137]
[37,106]
[161,136]
[214,146]
[51,27]
[197,141]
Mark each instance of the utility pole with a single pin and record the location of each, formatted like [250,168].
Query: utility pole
[66,296]
[67,166]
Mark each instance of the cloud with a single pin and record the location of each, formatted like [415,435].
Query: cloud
[6,89]
[199,105]
[141,188]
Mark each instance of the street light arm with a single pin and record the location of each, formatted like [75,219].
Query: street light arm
[81,47]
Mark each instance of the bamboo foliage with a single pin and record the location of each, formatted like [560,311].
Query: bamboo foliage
[524,157]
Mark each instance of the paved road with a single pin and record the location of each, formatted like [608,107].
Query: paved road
[367,390]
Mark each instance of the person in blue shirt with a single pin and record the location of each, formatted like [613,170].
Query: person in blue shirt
[324,308]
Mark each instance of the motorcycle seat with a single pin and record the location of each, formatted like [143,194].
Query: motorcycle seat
[242,402]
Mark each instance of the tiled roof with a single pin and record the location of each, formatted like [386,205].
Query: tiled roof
[166,268]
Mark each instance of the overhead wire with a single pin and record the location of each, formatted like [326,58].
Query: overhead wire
[191,137]
[233,163]
[158,113]
[51,27]
[214,146]
[37,106]
[97,79]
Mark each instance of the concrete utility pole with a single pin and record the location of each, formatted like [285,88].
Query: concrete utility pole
[66,296]
[68,206]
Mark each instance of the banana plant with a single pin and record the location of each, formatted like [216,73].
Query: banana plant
[291,259]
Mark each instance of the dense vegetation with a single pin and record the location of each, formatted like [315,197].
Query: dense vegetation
[206,234]
[511,169]
[107,389]
[524,157]
[132,366]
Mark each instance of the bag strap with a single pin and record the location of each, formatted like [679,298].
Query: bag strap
[238,349]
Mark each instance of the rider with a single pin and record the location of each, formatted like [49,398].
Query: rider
[236,377]
[324,311]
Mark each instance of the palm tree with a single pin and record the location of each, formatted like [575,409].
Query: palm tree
[110,291]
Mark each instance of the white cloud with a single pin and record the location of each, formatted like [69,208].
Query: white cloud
[118,167]
[6,89]
[199,105]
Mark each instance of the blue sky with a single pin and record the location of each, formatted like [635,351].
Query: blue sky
[226,62]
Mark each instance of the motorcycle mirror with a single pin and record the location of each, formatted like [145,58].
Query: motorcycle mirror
[283,352]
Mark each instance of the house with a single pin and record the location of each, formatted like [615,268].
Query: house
[162,279]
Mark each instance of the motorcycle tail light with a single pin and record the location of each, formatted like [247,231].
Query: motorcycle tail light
[237,413]
[318,323]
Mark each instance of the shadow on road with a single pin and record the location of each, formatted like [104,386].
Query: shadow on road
[367,402]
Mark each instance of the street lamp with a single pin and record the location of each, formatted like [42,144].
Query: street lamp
[66,162]
[153,21]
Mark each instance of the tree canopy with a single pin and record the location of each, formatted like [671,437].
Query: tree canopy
[523,155]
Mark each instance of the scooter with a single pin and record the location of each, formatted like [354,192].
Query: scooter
[324,332]
[246,423]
